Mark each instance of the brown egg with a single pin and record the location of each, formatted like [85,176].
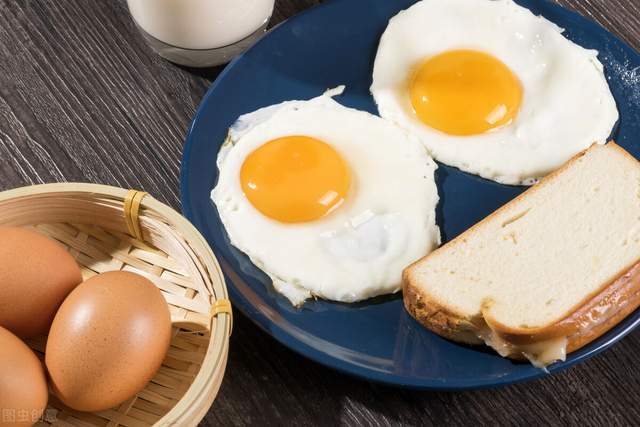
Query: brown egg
[36,275]
[107,341]
[23,384]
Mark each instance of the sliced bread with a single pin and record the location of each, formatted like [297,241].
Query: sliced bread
[548,272]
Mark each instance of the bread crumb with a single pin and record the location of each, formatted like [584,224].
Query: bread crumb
[515,218]
[511,236]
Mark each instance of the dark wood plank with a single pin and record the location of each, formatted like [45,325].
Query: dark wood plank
[83,99]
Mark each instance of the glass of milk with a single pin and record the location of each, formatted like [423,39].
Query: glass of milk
[201,33]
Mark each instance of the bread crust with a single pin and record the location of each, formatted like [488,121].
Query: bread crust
[435,316]
[591,318]
[606,310]
[589,322]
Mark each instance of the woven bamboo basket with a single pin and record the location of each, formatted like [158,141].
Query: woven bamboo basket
[106,229]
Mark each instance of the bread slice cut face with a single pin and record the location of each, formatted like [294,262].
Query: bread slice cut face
[548,272]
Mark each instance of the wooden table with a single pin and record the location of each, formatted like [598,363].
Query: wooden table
[82,98]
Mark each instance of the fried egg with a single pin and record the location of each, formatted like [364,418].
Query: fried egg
[329,201]
[490,88]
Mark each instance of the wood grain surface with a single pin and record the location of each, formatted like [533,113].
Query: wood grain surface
[82,98]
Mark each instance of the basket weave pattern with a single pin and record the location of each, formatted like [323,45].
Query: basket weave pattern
[92,226]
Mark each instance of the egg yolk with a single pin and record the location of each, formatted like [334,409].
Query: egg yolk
[295,179]
[465,92]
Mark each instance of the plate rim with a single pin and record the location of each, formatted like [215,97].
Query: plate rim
[285,338]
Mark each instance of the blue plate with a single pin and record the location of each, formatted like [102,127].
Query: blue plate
[332,44]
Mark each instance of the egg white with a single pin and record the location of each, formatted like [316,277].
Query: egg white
[358,250]
[567,104]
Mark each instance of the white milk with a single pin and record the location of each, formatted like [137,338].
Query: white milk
[200,24]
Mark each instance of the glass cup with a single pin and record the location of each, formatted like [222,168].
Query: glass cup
[201,33]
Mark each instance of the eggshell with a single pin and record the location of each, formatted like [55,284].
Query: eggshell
[36,275]
[107,341]
[23,384]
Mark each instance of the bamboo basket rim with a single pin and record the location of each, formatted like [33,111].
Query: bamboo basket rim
[197,400]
